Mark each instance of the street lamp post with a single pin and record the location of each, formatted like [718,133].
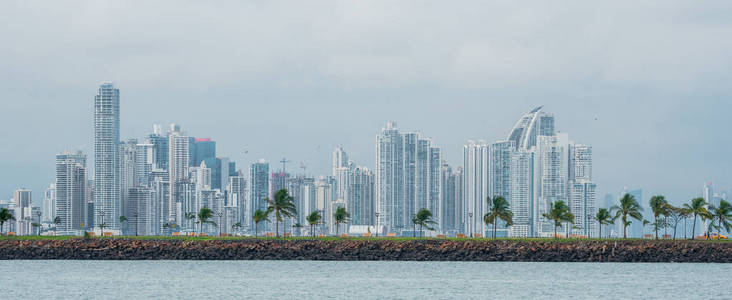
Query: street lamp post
[470,224]
[220,214]
[40,225]
[377,224]
[101,224]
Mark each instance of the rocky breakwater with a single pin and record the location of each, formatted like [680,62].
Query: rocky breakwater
[376,249]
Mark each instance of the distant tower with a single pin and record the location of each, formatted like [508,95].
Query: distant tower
[390,168]
[107,155]
[258,188]
[71,192]
[178,146]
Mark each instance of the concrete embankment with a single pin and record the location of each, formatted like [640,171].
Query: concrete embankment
[381,249]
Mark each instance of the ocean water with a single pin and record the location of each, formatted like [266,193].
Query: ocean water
[52,279]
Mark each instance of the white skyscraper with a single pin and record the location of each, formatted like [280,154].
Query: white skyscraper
[71,192]
[49,204]
[23,212]
[258,189]
[107,156]
[581,189]
[550,178]
[360,199]
[390,201]
[520,198]
[178,155]
[475,181]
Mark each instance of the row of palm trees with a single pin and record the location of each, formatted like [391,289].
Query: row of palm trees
[283,206]
[627,209]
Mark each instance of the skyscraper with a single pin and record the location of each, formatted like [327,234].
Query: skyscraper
[178,169]
[107,155]
[360,198]
[160,148]
[49,203]
[24,217]
[258,187]
[71,192]
[390,201]
[475,182]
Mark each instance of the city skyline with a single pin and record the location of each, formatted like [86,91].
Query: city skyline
[649,94]
[161,181]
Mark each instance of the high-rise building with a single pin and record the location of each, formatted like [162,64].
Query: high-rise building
[22,199]
[550,178]
[71,192]
[258,188]
[202,149]
[128,178]
[520,194]
[390,201]
[49,204]
[160,148]
[237,197]
[107,204]
[178,146]
[531,125]
[500,156]
[581,190]
[475,186]
[360,199]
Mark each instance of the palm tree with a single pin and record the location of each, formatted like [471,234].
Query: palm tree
[499,209]
[603,217]
[122,219]
[340,217]
[559,212]
[424,220]
[236,226]
[283,205]
[5,216]
[313,219]
[696,209]
[204,216]
[258,217]
[644,223]
[628,207]
[659,208]
[191,216]
[297,228]
[721,214]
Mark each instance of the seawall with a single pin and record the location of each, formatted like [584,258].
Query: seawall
[377,249]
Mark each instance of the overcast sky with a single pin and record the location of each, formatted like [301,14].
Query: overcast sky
[647,83]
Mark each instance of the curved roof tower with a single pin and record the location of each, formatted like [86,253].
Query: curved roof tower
[536,122]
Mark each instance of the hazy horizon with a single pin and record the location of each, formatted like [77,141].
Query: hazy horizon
[645,84]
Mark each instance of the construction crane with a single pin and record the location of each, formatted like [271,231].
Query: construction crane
[284,162]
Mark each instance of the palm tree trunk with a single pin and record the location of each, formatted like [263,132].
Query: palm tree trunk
[656,225]
[599,233]
[337,229]
[495,222]
[256,229]
[719,229]
[675,225]
[693,228]
[277,227]
[420,231]
[555,230]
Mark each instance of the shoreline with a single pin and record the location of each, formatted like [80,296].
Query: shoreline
[367,250]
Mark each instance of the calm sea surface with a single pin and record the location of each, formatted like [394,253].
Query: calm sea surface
[359,280]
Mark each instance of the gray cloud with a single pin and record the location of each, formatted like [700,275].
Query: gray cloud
[647,84]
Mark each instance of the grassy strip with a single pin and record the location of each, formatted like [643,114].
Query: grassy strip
[332,238]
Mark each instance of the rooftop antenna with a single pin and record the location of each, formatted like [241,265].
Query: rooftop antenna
[284,162]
